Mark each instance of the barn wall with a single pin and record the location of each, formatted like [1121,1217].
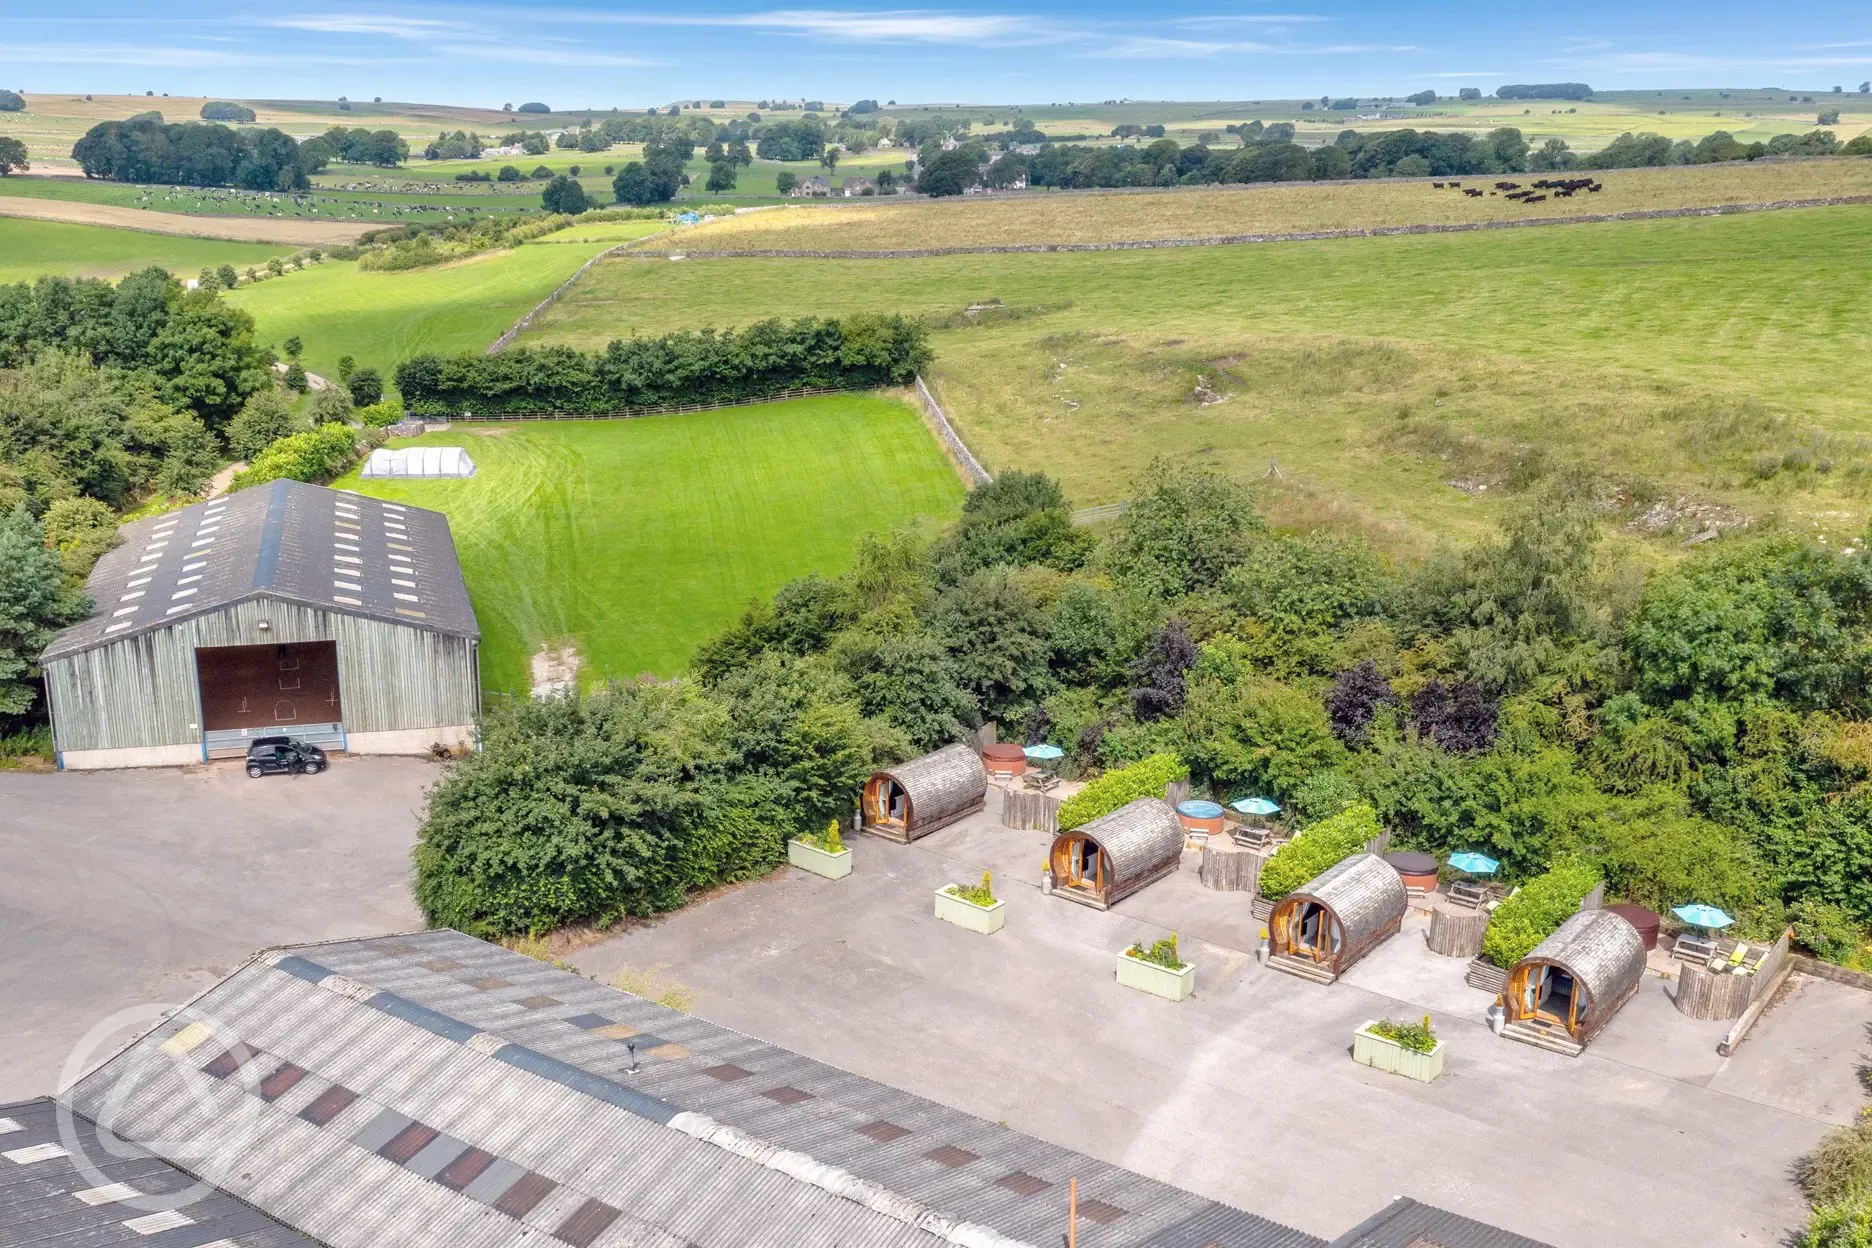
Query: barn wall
[141,691]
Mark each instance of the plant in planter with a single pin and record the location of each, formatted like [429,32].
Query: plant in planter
[1408,1049]
[1157,969]
[973,907]
[822,853]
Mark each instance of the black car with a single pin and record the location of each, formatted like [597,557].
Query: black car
[285,755]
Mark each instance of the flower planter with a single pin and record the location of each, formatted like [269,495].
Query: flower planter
[984,919]
[818,861]
[1388,1055]
[1159,981]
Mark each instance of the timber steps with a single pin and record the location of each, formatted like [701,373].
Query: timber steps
[1302,968]
[1554,1041]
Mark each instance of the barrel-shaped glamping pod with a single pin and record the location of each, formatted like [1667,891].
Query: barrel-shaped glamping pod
[1339,915]
[925,794]
[1102,862]
[1576,979]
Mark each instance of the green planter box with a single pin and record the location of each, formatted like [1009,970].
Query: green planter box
[984,919]
[812,858]
[1388,1055]
[1159,981]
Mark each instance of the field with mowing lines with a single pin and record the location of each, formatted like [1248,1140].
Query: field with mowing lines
[1045,217]
[382,318]
[1401,384]
[634,540]
[30,248]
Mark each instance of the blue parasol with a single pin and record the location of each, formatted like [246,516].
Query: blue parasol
[1256,806]
[1474,863]
[1700,915]
[1043,753]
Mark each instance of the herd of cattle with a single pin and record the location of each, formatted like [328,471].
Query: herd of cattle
[1533,193]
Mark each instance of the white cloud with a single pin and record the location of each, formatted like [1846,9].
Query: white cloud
[1470,73]
[366,24]
[879,26]
[178,58]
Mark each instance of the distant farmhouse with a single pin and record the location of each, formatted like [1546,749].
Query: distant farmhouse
[285,608]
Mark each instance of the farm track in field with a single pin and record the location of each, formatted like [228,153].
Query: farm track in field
[283,230]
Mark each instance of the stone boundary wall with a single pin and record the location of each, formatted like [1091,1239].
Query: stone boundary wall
[520,326]
[1231,240]
[966,463]
[1808,965]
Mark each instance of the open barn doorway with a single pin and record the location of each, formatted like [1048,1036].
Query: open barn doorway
[286,687]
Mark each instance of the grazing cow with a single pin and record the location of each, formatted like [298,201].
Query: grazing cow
[1455,184]
[1471,191]
[1536,199]
[1595,189]
[1436,186]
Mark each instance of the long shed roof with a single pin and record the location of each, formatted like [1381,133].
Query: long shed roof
[323,548]
[436,1090]
[61,1183]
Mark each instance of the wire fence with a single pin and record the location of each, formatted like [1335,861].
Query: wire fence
[631,413]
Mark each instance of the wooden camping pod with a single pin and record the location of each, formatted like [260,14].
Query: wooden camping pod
[1578,977]
[925,794]
[1102,862]
[1341,914]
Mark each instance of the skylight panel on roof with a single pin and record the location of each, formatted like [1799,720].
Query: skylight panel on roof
[155,1223]
[34,1153]
[109,1194]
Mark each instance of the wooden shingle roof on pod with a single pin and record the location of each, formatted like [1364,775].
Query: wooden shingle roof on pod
[1602,951]
[940,787]
[1367,897]
[1142,842]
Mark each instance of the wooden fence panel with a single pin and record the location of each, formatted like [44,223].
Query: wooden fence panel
[1031,811]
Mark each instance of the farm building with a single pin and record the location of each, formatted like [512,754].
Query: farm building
[419,461]
[1573,982]
[925,794]
[1336,918]
[1100,863]
[286,608]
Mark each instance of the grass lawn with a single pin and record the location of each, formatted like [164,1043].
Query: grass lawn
[30,248]
[1044,217]
[1401,384]
[382,318]
[634,540]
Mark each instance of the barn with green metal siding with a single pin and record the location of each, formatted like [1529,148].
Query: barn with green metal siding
[287,608]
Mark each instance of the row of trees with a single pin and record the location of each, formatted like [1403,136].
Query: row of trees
[146,149]
[689,367]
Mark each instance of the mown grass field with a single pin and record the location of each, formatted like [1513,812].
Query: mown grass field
[382,318]
[1272,208]
[1401,384]
[633,540]
[31,248]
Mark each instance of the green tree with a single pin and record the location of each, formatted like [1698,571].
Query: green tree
[293,347]
[266,417]
[784,181]
[80,530]
[229,278]
[11,101]
[564,194]
[721,176]
[12,156]
[35,603]
[1184,531]
[366,386]
[995,629]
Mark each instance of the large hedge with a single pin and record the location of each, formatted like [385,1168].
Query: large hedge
[316,455]
[1324,844]
[1150,777]
[680,368]
[1536,911]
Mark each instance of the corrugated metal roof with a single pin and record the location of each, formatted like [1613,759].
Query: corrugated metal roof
[558,1091]
[323,548]
[95,1191]
[1407,1223]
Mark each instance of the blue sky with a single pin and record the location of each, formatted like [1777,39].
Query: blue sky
[575,55]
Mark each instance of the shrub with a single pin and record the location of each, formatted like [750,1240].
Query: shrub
[295,378]
[1840,1168]
[1416,1037]
[1163,953]
[222,110]
[1537,910]
[1326,843]
[830,839]
[266,418]
[379,415]
[1845,1225]
[366,386]
[508,173]
[316,455]
[1830,932]
[687,367]
[1150,777]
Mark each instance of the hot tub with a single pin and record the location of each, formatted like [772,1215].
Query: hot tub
[1416,870]
[1004,761]
[1199,817]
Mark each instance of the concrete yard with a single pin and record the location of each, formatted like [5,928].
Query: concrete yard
[1246,1093]
[126,890]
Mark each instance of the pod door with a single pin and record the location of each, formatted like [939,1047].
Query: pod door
[1080,863]
[1307,929]
[1549,995]
[887,805]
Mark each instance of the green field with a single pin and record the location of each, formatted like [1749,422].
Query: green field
[379,207]
[382,318]
[1401,384]
[30,248]
[634,540]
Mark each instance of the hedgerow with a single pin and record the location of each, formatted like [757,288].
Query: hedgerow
[1324,844]
[316,455]
[1537,911]
[1150,777]
[689,367]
